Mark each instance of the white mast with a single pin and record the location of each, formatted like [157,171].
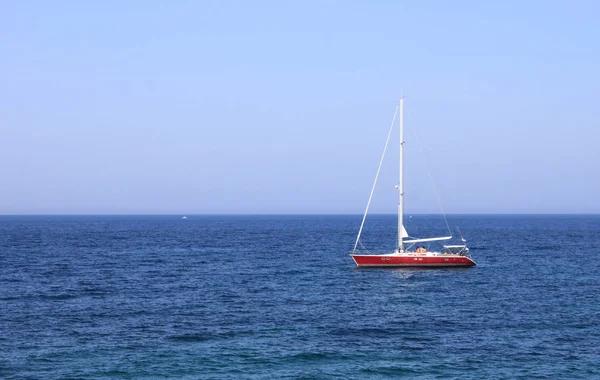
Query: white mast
[401,185]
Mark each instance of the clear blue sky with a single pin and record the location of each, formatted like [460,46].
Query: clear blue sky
[283,107]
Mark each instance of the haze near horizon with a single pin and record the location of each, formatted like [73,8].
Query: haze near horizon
[269,107]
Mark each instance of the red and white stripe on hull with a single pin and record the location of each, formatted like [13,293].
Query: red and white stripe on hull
[412,260]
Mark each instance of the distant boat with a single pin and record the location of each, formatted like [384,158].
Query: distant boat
[185,217]
[405,255]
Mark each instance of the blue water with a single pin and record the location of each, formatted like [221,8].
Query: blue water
[273,297]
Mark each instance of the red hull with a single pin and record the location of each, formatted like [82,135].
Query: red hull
[412,261]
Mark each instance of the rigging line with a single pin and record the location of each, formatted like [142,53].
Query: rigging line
[437,195]
[375,182]
[365,248]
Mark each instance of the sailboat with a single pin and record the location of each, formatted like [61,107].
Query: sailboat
[410,252]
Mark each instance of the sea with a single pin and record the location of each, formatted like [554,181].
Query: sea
[278,297]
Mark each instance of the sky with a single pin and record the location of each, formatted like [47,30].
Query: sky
[262,107]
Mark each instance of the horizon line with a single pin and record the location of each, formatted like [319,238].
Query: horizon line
[291,214]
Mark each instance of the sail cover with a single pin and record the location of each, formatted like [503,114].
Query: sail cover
[429,239]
